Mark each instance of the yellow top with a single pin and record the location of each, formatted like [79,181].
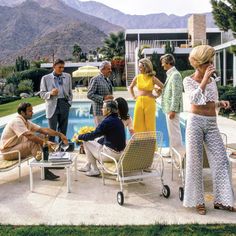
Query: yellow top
[145,82]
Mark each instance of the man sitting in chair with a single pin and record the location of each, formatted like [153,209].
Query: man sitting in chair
[19,134]
[112,142]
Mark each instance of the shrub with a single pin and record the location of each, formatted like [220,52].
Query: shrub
[34,75]
[160,73]
[6,71]
[4,100]
[228,93]
[9,89]
[25,86]
[186,73]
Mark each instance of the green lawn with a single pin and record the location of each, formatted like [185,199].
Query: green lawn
[151,230]
[11,107]
[119,88]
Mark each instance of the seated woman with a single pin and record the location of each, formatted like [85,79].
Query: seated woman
[202,129]
[123,111]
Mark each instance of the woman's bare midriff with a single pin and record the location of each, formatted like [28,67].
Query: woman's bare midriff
[204,110]
[144,93]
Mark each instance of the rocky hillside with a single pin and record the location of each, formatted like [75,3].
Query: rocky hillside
[41,30]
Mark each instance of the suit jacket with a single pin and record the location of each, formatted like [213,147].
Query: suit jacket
[172,98]
[97,89]
[47,84]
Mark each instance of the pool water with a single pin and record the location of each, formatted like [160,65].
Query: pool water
[79,116]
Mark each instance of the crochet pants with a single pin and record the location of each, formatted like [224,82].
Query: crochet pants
[203,130]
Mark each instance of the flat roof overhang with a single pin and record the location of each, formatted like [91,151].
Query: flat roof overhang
[159,34]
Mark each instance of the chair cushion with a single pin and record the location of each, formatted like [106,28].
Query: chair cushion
[110,166]
[4,164]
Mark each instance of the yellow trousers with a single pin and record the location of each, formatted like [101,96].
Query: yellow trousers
[145,114]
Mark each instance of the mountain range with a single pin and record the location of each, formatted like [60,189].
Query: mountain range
[42,28]
[127,21]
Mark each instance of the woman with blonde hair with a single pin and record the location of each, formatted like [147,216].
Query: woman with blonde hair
[145,107]
[202,129]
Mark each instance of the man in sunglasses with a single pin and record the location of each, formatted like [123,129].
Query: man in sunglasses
[56,89]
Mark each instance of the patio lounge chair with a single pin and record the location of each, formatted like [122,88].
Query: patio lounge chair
[140,153]
[179,157]
[8,165]
[230,148]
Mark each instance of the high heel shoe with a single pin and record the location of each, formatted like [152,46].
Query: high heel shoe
[201,209]
[219,206]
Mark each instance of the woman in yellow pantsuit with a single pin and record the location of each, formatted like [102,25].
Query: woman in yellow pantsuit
[145,107]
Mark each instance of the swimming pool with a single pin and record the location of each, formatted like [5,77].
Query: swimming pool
[79,117]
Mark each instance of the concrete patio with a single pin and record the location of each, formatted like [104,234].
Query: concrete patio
[90,202]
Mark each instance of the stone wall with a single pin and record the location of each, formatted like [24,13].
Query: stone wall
[197,29]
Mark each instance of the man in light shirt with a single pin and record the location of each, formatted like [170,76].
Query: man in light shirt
[172,101]
[56,90]
[19,134]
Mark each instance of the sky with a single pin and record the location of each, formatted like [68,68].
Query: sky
[144,7]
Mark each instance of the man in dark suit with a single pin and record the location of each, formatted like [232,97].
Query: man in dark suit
[112,139]
[99,90]
[56,89]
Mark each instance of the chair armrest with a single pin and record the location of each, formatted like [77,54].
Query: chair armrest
[14,151]
[112,158]
[157,153]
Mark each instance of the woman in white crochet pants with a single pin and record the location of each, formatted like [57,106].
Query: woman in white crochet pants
[202,129]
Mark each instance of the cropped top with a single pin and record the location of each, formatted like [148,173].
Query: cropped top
[195,93]
[145,82]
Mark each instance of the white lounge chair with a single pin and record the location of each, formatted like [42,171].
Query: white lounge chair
[9,165]
[142,152]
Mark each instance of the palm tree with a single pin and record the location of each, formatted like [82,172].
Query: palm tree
[114,45]
[114,51]
[77,51]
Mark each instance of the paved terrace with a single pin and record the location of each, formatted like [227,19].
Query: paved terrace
[90,202]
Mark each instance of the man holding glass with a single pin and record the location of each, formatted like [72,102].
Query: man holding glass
[56,89]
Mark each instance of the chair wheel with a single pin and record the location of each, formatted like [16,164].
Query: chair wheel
[181,194]
[166,191]
[120,198]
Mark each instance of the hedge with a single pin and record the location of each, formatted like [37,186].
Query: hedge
[4,100]
[34,74]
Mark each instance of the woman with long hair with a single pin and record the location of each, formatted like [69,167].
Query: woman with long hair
[123,111]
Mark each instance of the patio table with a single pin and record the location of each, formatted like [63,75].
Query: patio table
[43,164]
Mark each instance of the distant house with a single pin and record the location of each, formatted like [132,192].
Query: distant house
[183,39]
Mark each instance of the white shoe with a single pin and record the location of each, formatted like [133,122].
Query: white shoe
[93,172]
[85,168]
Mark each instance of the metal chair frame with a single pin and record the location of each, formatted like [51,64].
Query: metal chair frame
[136,145]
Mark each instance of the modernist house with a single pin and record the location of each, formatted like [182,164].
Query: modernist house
[226,62]
[183,39]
